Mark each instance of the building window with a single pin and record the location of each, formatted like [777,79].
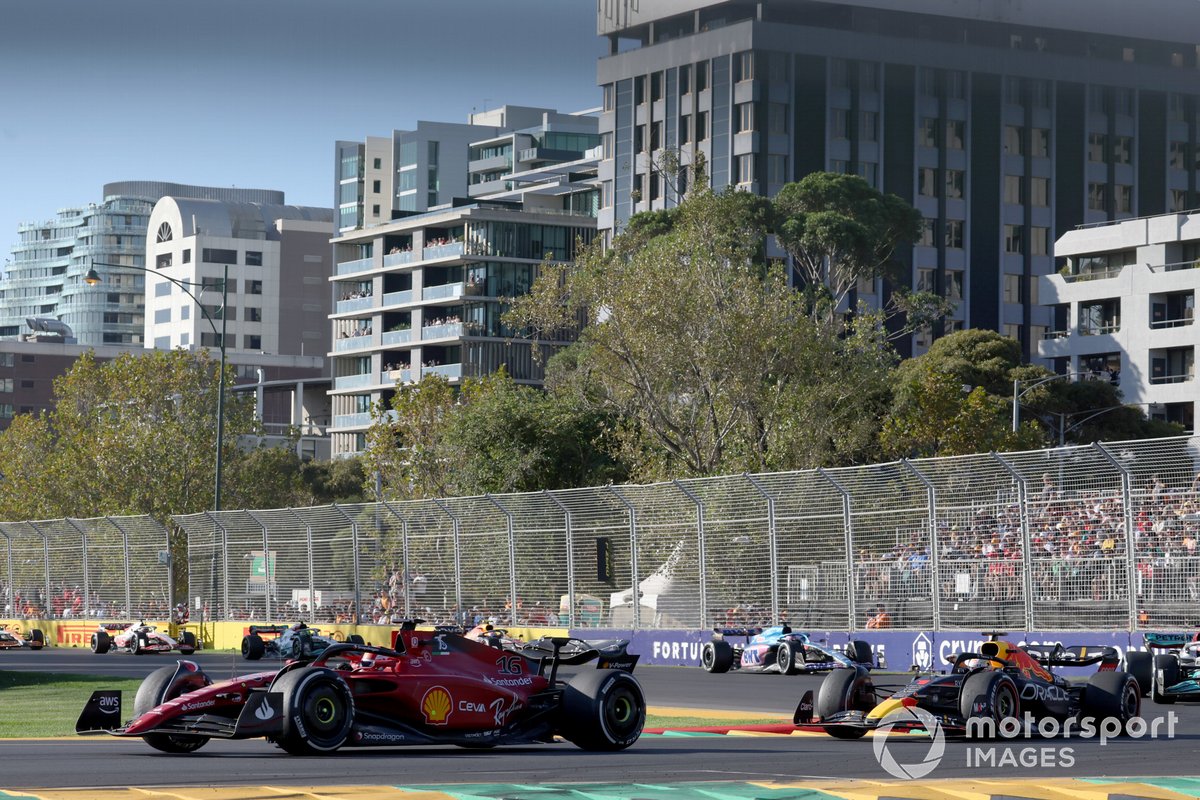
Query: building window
[1012,90]
[685,131]
[954,184]
[1123,102]
[606,194]
[375,187]
[378,163]
[701,126]
[1039,91]
[838,124]
[1097,197]
[1096,147]
[840,167]
[1039,192]
[1012,288]
[252,342]
[928,231]
[956,84]
[743,66]
[253,287]
[639,90]
[1178,155]
[252,314]
[187,255]
[1012,140]
[868,130]
[954,284]
[1179,200]
[6,385]
[163,260]
[656,86]
[869,172]
[1122,150]
[777,118]
[685,79]
[868,76]
[609,97]
[1014,190]
[837,74]
[1097,100]
[927,182]
[162,315]
[656,135]
[1014,239]
[954,234]
[375,209]
[1124,199]
[954,134]
[745,169]
[212,255]
[745,117]
[1039,241]
[639,138]
[927,136]
[253,258]
[701,76]
[777,169]
[1039,145]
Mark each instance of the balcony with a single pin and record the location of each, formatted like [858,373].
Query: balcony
[1180,378]
[446,291]
[398,376]
[448,371]
[397,337]
[350,267]
[357,304]
[449,330]
[1100,329]
[1171,323]
[353,381]
[398,298]
[351,420]
[353,343]
[396,259]
[442,251]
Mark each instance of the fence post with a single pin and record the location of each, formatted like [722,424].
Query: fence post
[308,543]
[224,565]
[458,602]
[702,566]
[87,600]
[772,544]
[404,557]
[848,523]
[266,565]
[9,561]
[1026,543]
[354,546]
[512,558]
[46,606]
[633,558]
[570,558]
[1130,555]
[936,582]
[125,552]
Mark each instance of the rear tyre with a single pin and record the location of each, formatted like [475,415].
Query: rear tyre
[37,639]
[860,652]
[1112,694]
[253,647]
[155,690]
[1141,666]
[1166,673]
[354,638]
[845,690]
[318,711]
[187,643]
[716,656]
[785,657]
[603,709]
[1001,701]
[101,642]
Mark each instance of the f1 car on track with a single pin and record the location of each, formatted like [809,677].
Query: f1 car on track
[139,638]
[612,653]
[287,641]
[778,649]
[428,688]
[1000,682]
[1176,671]
[12,639]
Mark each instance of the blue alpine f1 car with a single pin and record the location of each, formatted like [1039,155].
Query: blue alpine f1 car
[1176,668]
[778,649]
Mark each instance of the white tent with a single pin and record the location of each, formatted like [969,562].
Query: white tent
[667,599]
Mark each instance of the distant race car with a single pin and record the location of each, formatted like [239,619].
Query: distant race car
[1002,681]
[287,641]
[11,639]
[611,653]
[428,688]
[778,649]
[1177,670]
[139,638]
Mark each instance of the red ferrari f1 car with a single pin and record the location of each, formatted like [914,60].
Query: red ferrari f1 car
[430,687]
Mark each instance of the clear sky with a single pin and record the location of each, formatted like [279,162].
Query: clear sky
[254,93]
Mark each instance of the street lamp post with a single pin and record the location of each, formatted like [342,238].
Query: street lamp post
[1018,392]
[1063,430]
[92,278]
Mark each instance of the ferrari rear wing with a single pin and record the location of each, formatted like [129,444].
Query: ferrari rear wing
[1077,656]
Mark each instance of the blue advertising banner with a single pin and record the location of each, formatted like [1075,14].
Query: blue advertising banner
[899,650]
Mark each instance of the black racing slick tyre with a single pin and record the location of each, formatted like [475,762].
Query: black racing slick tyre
[785,657]
[845,690]
[354,638]
[988,696]
[187,643]
[318,711]
[603,709]
[1166,673]
[716,656]
[253,647]
[1112,694]
[135,645]
[860,652]
[1141,666]
[101,642]
[37,639]
[156,689]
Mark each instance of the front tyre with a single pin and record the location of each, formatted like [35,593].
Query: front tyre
[156,689]
[845,690]
[253,647]
[101,642]
[1141,666]
[785,657]
[716,656]
[37,639]
[1112,694]
[988,696]
[318,711]
[603,709]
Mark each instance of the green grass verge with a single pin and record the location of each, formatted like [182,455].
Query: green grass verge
[47,704]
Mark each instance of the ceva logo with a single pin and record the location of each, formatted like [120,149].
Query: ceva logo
[436,705]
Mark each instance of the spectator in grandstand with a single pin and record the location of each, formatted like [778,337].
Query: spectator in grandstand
[880,620]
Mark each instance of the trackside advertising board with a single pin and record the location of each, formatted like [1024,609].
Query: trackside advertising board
[902,650]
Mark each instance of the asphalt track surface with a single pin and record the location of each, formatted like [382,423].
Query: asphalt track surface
[105,761]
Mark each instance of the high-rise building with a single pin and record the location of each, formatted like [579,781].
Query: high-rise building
[1004,124]
[279,265]
[45,277]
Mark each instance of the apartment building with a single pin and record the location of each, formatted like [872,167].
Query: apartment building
[1006,124]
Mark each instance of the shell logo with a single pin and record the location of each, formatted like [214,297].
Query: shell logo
[436,705]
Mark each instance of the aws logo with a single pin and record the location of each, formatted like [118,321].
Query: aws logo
[436,705]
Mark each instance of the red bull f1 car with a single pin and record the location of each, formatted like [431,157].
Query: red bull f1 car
[430,687]
[1176,666]
[984,691]
[777,649]
[11,639]
[139,638]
